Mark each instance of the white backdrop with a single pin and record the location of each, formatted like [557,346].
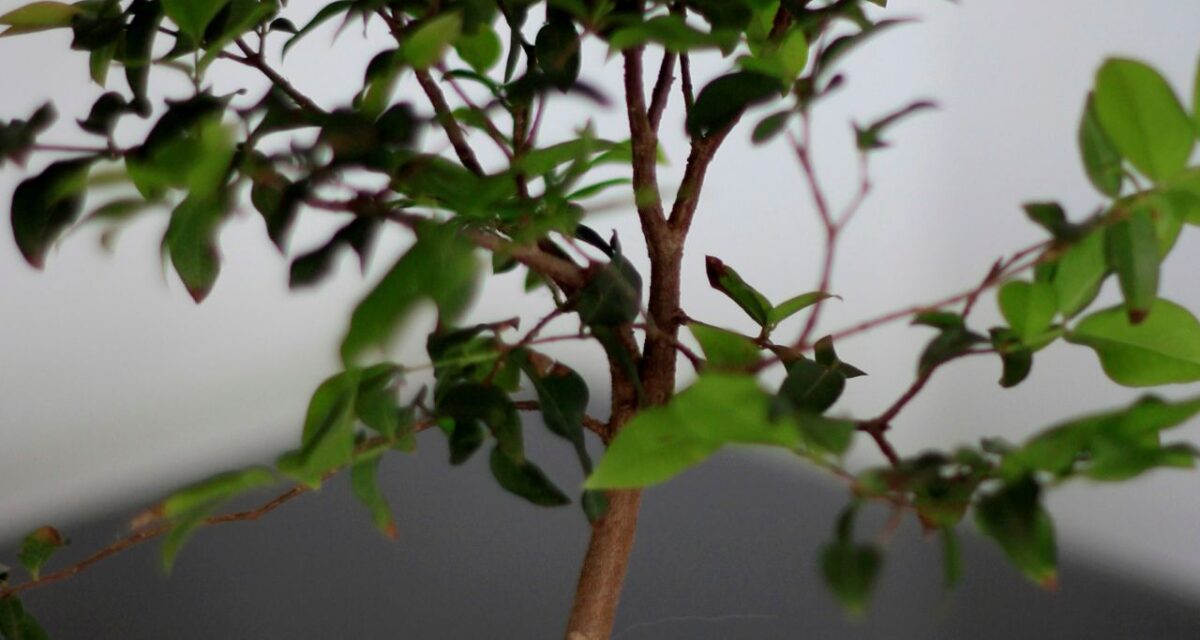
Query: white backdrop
[114,385]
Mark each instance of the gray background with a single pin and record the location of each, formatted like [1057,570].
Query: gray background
[115,387]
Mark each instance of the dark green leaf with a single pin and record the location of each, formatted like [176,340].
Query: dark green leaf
[103,116]
[16,623]
[45,205]
[612,295]
[850,569]
[526,480]
[311,267]
[1143,117]
[810,387]
[870,137]
[595,505]
[721,102]
[770,126]
[724,279]
[474,401]
[557,49]
[328,11]
[1014,518]
[17,136]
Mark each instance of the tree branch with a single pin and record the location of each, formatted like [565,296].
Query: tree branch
[662,89]
[441,109]
[255,59]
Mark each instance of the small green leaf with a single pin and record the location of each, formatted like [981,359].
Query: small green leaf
[328,439]
[671,31]
[722,101]
[850,569]
[724,279]
[557,51]
[481,49]
[440,267]
[1143,117]
[770,126]
[724,349]
[595,505]
[1016,358]
[46,205]
[364,482]
[612,296]
[563,399]
[794,305]
[426,45]
[38,16]
[37,547]
[870,137]
[1101,159]
[661,442]
[810,387]
[326,13]
[476,402]
[1132,250]
[1029,307]
[1014,518]
[526,480]
[1081,270]
[1163,349]
[215,490]
[192,16]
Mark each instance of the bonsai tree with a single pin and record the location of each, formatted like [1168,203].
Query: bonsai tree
[408,151]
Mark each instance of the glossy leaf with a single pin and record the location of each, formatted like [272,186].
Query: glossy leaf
[526,480]
[1163,349]
[1143,117]
[724,279]
[440,267]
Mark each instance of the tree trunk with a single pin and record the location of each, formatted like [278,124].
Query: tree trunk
[604,567]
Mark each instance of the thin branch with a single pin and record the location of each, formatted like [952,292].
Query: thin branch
[662,89]
[489,127]
[454,132]
[255,59]
[597,427]
[645,151]
[685,73]
[564,273]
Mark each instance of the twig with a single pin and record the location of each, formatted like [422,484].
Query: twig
[453,132]
[255,59]
[662,89]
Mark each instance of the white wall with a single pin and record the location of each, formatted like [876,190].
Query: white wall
[113,383]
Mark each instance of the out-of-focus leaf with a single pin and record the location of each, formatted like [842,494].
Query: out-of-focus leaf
[1163,349]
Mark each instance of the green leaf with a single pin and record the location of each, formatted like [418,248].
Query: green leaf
[104,114]
[721,102]
[39,16]
[46,205]
[440,267]
[724,279]
[671,31]
[724,349]
[364,482]
[952,341]
[474,401]
[426,45]
[1101,159]
[37,547]
[310,268]
[376,402]
[810,387]
[1029,307]
[794,305]
[16,623]
[870,137]
[481,49]
[1014,518]
[192,16]
[850,569]
[612,295]
[563,399]
[191,242]
[526,480]
[1081,270]
[328,11]
[595,505]
[1163,349]
[1132,250]
[661,442]
[328,438]
[770,126]
[17,136]
[1016,358]
[557,51]
[215,490]
[1143,117]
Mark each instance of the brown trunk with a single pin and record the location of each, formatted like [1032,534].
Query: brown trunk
[604,568]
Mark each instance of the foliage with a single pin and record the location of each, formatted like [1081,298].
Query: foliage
[204,154]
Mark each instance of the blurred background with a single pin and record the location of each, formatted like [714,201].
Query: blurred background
[115,387]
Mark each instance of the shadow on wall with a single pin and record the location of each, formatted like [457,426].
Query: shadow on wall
[726,551]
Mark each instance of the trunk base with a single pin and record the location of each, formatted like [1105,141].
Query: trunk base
[603,570]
